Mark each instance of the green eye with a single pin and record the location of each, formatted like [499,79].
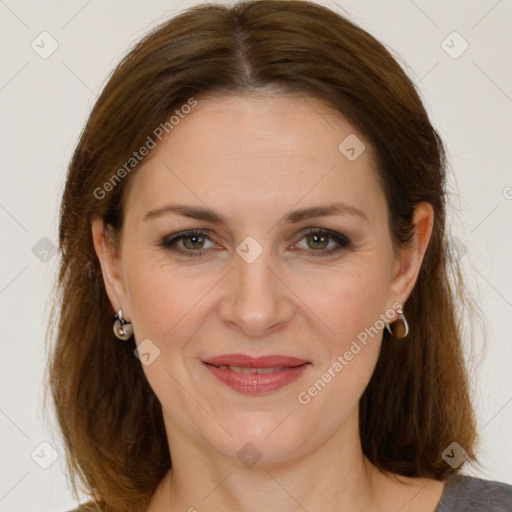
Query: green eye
[316,239]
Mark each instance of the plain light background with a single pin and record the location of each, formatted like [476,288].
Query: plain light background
[44,103]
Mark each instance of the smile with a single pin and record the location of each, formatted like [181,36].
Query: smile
[256,381]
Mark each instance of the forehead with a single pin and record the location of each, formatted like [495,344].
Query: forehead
[258,152]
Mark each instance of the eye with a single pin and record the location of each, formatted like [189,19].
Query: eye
[319,239]
[193,242]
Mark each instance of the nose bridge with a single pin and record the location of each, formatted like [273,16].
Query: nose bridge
[257,298]
[252,275]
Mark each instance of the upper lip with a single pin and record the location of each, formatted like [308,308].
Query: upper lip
[245,361]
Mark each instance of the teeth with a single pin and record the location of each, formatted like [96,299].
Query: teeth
[259,371]
[268,370]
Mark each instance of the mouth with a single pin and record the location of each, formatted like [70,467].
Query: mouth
[256,376]
[259,371]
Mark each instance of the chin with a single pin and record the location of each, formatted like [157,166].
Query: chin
[261,440]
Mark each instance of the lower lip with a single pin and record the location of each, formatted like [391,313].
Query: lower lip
[254,383]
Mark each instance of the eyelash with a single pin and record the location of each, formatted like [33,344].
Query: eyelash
[342,241]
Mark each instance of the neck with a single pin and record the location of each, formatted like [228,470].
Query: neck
[332,477]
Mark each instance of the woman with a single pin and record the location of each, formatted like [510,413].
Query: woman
[258,310]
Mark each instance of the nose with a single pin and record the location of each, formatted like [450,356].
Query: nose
[257,300]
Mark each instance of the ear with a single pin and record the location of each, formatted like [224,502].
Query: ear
[110,267]
[408,263]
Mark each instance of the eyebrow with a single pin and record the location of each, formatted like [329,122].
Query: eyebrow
[208,215]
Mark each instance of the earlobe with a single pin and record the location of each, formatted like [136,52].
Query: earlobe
[110,265]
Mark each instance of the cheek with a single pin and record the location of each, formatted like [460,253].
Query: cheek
[165,305]
[166,309]
[350,309]
[349,305]
[154,302]
[348,302]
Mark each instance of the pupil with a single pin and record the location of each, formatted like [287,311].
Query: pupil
[316,238]
[193,239]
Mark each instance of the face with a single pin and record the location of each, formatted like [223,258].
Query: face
[259,275]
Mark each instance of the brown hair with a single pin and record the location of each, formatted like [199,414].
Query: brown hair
[418,399]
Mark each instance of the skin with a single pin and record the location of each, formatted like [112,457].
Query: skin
[254,159]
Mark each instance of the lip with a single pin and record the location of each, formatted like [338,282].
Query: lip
[246,361]
[254,383]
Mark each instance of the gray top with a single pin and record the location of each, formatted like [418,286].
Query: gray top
[462,493]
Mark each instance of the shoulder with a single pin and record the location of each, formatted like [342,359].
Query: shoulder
[463,493]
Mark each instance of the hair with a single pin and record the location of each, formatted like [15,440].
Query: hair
[418,400]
